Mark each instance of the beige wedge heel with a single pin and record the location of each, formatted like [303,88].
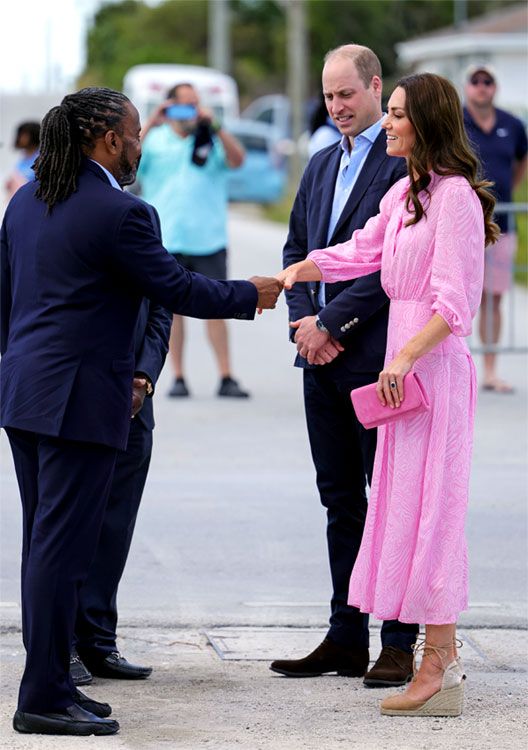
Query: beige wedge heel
[448,701]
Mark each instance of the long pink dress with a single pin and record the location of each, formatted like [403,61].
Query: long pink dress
[412,564]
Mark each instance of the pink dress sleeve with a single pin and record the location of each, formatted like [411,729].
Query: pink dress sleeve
[361,254]
[458,259]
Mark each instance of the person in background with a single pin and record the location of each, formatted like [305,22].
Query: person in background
[95,649]
[428,241]
[499,139]
[26,140]
[183,174]
[323,131]
[342,330]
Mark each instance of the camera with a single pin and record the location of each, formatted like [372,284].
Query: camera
[181,112]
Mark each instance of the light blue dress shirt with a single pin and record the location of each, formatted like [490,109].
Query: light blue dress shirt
[110,176]
[349,168]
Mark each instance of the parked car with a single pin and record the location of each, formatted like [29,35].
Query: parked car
[263,176]
[272,109]
[275,110]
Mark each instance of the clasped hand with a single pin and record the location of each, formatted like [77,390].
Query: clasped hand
[305,270]
[268,289]
[139,391]
[318,347]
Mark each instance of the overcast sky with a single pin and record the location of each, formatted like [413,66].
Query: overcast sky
[42,42]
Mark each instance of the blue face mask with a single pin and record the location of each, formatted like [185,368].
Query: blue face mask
[181,112]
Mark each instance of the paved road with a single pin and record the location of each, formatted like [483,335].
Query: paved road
[196,701]
[231,532]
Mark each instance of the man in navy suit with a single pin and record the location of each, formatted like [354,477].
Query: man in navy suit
[96,623]
[77,257]
[340,332]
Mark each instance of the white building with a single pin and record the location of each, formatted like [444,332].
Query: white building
[499,39]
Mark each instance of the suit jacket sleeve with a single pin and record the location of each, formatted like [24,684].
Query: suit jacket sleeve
[151,356]
[296,249]
[138,253]
[360,301]
[5,291]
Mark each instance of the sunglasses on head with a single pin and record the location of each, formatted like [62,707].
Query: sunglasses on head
[485,80]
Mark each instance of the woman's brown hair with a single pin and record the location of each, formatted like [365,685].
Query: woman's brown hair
[434,110]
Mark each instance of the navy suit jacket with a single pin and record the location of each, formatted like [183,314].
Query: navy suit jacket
[152,343]
[151,340]
[362,299]
[73,280]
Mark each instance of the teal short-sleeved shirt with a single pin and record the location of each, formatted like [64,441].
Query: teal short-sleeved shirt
[191,200]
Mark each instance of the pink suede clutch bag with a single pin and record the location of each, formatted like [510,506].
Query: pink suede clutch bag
[371,413]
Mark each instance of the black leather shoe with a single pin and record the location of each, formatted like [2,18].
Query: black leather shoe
[73,720]
[230,388]
[79,674]
[179,389]
[117,667]
[94,707]
[393,667]
[328,657]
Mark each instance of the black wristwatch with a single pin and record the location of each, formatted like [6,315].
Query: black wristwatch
[320,325]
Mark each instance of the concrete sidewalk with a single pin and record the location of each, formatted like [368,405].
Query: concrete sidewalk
[195,700]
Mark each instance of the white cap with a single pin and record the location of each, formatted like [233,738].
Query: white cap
[480,68]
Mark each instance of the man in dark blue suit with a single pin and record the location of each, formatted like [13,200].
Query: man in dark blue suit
[341,331]
[96,623]
[77,258]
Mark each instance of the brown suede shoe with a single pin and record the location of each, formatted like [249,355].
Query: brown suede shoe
[394,667]
[328,657]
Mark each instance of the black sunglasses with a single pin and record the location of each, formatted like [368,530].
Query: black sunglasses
[475,80]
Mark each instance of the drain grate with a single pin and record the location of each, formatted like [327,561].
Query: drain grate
[263,644]
[267,644]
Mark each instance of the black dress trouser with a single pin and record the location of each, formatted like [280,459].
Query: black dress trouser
[343,455]
[95,627]
[64,487]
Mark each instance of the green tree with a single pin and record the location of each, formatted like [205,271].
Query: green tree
[130,33]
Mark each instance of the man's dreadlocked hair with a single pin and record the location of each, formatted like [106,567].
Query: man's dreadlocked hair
[68,132]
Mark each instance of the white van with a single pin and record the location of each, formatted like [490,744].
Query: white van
[146,86]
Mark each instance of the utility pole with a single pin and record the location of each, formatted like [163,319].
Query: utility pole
[460,12]
[297,56]
[219,37]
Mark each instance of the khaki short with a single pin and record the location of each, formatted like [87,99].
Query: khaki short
[498,267]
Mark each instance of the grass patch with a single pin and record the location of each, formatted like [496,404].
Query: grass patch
[521,261]
[280,211]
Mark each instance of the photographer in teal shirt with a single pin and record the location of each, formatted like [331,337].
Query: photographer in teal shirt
[183,174]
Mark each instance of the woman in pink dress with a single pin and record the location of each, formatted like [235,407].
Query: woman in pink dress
[428,240]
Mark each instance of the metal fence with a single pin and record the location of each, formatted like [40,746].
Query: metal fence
[514,303]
